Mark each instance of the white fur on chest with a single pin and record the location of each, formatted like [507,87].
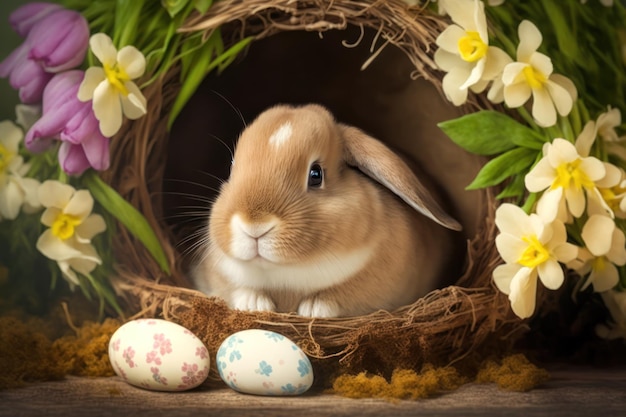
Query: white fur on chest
[307,278]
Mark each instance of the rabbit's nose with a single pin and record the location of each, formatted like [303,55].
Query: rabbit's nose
[253,229]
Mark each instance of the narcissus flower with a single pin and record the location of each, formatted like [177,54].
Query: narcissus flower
[111,87]
[566,177]
[71,226]
[531,249]
[605,248]
[532,75]
[464,51]
[16,192]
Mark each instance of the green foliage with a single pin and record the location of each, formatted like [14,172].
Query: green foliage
[127,215]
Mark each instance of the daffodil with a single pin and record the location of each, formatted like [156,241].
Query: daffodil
[531,248]
[16,192]
[71,226]
[605,250]
[565,177]
[464,51]
[111,86]
[532,75]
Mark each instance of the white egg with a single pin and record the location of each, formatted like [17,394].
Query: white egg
[262,362]
[158,355]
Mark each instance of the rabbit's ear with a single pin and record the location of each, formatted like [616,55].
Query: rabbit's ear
[380,163]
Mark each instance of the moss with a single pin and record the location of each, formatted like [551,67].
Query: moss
[26,355]
[404,384]
[513,373]
[86,353]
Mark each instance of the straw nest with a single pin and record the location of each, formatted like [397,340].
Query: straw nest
[444,327]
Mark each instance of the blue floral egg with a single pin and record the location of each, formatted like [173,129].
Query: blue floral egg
[262,362]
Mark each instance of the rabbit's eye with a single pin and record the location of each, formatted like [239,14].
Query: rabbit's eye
[316,176]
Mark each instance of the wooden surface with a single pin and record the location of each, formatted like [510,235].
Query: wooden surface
[571,392]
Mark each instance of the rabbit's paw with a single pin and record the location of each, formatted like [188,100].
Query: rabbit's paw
[318,306]
[248,299]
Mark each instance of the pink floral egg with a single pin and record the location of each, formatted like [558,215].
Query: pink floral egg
[158,355]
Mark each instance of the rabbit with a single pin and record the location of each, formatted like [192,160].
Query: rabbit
[320,219]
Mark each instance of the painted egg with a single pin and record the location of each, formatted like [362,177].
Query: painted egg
[264,363]
[158,355]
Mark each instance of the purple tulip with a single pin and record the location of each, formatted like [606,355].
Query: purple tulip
[56,40]
[25,17]
[71,121]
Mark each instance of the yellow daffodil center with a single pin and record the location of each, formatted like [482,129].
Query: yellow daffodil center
[471,47]
[613,196]
[5,158]
[569,173]
[534,78]
[535,253]
[64,226]
[599,264]
[117,77]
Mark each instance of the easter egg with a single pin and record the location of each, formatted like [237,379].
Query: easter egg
[158,355]
[262,362]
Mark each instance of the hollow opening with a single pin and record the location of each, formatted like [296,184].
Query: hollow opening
[305,67]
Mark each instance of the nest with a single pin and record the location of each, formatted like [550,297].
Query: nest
[443,327]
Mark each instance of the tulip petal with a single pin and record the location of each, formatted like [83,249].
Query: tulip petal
[72,158]
[96,149]
[25,17]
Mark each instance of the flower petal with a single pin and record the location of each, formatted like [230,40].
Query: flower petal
[503,275]
[134,105]
[543,109]
[524,292]
[560,97]
[102,47]
[515,95]
[551,274]
[451,86]
[605,278]
[597,234]
[530,39]
[107,108]
[80,205]
[92,226]
[11,200]
[55,194]
[131,61]
[72,158]
[93,77]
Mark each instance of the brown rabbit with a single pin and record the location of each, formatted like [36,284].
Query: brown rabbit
[296,228]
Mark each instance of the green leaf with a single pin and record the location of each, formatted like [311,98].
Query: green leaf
[515,189]
[502,167]
[127,215]
[174,7]
[490,132]
[203,5]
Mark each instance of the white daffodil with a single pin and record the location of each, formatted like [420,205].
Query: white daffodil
[111,87]
[16,192]
[605,248]
[605,128]
[566,177]
[615,301]
[532,75]
[531,249]
[71,226]
[464,51]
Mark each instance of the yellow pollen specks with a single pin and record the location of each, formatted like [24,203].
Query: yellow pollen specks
[569,173]
[534,78]
[64,226]
[535,254]
[471,47]
[117,77]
